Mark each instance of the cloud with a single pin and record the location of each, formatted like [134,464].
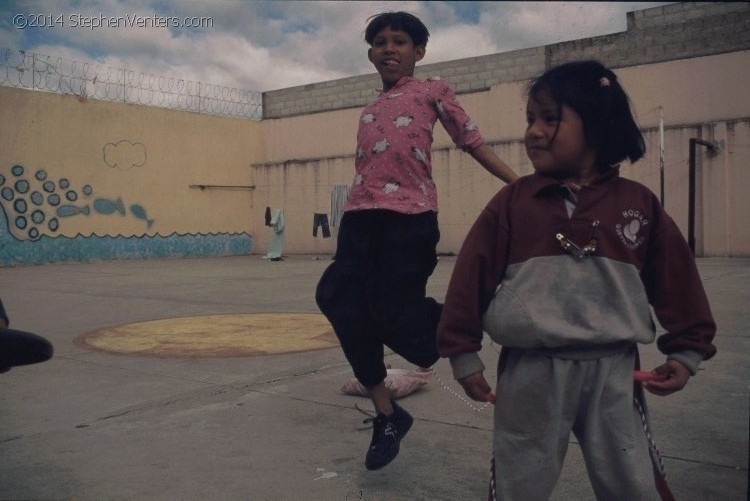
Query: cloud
[519,25]
[266,45]
[457,42]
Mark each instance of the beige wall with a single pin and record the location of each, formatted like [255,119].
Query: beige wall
[129,169]
[321,135]
[165,152]
[702,97]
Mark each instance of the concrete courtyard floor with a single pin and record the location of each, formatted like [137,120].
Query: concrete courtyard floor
[92,425]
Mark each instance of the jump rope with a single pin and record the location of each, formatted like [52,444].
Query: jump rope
[638,376]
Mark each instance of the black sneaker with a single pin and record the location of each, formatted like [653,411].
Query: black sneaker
[387,432]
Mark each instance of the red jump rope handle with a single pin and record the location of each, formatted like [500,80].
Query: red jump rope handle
[643,376]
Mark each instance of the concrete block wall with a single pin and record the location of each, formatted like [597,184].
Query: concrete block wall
[667,33]
[671,32]
[680,12]
[479,73]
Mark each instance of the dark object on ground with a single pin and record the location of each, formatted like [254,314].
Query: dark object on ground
[22,348]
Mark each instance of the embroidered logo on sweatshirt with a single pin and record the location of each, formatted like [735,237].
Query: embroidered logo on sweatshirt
[632,230]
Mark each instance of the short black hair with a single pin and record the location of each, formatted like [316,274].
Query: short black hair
[595,94]
[401,21]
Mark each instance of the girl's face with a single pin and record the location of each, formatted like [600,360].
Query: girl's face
[394,55]
[555,141]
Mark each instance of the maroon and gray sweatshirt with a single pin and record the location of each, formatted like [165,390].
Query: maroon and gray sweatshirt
[514,280]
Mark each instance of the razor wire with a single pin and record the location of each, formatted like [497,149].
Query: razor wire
[34,71]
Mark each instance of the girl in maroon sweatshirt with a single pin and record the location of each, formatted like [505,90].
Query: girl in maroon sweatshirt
[560,269]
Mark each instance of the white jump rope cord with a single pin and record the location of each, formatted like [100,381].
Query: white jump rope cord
[450,390]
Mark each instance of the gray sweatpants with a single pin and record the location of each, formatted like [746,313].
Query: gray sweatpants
[541,399]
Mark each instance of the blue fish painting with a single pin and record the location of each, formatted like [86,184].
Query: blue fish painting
[35,205]
[104,206]
[72,210]
[140,213]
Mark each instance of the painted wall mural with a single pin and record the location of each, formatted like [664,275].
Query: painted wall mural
[36,207]
[124,154]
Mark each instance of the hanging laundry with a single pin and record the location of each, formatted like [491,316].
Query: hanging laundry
[321,221]
[339,197]
[276,244]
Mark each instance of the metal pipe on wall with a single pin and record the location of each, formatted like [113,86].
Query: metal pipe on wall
[661,154]
[712,148]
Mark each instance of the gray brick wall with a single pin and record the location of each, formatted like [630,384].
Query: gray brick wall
[675,31]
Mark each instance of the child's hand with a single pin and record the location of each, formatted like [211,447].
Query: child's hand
[477,388]
[671,377]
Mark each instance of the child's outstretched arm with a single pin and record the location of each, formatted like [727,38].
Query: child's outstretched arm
[478,270]
[675,291]
[492,163]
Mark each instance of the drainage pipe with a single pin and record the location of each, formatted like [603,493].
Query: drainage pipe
[712,148]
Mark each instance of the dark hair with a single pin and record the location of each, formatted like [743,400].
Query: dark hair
[595,94]
[401,21]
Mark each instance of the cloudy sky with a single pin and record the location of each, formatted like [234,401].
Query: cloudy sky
[268,45]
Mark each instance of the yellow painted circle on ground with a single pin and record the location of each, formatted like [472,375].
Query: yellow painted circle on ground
[216,336]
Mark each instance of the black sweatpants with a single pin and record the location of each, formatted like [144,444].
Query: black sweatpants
[374,293]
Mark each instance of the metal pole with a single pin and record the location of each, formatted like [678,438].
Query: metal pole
[712,148]
[691,197]
[661,153]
